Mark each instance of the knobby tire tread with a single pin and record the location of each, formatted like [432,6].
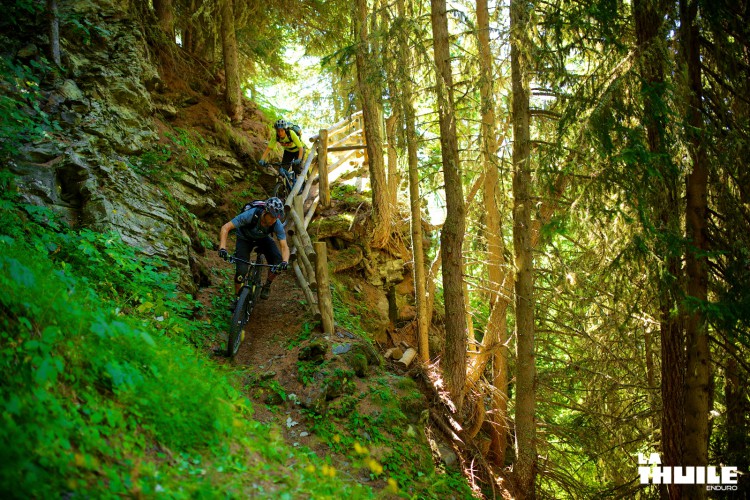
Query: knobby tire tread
[280,191]
[258,276]
[238,322]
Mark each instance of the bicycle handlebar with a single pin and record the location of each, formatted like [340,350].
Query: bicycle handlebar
[233,259]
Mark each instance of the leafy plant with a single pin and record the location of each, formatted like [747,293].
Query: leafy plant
[102,380]
[188,148]
[21,118]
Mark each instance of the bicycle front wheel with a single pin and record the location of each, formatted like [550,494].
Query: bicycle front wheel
[280,191]
[258,276]
[239,319]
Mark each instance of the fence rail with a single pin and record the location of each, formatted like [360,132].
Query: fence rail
[309,260]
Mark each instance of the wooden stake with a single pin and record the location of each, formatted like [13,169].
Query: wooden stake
[325,301]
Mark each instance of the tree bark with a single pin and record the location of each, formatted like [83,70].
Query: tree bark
[415,202]
[495,336]
[165,15]
[452,235]
[526,456]
[649,17]
[393,178]
[368,84]
[735,393]
[231,62]
[698,372]
[54,32]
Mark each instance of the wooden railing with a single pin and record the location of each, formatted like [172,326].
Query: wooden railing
[309,261]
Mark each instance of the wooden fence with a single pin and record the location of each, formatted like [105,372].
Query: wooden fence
[343,141]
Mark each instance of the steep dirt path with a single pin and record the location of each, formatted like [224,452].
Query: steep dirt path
[273,324]
[270,354]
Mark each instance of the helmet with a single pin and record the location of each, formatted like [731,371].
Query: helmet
[275,207]
[280,124]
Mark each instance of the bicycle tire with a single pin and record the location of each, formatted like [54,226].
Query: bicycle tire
[239,319]
[258,277]
[280,191]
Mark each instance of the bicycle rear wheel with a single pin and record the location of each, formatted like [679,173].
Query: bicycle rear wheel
[239,319]
[258,276]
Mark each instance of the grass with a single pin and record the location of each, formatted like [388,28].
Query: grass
[103,393]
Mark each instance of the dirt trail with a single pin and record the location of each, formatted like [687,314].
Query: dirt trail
[267,350]
[273,324]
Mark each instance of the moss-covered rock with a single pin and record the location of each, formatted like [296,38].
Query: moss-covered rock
[358,363]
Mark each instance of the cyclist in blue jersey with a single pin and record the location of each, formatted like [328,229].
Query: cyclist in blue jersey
[254,228]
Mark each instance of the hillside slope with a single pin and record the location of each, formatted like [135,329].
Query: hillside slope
[111,386]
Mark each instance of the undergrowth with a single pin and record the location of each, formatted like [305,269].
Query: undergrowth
[103,393]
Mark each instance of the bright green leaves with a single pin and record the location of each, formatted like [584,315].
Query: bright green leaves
[19,274]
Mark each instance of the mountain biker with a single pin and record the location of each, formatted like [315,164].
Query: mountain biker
[294,149]
[255,232]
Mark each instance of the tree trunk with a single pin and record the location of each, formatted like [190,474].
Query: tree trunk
[495,336]
[452,235]
[165,15]
[54,32]
[526,459]
[735,393]
[649,17]
[231,62]
[698,372]
[368,85]
[415,202]
[393,178]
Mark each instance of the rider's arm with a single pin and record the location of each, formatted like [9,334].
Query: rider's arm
[271,144]
[284,250]
[297,142]
[265,153]
[224,233]
[278,228]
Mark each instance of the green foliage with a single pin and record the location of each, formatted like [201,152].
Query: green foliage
[102,394]
[188,149]
[85,30]
[21,118]
[303,336]
[170,160]
[368,430]
[151,162]
[343,314]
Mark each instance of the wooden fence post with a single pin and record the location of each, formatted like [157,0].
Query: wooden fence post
[325,301]
[324,193]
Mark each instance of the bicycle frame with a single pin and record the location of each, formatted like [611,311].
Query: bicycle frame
[285,179]
[246,300]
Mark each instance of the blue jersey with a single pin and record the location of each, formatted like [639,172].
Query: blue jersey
[249,231]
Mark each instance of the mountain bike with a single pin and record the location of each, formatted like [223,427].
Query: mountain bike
[285,179]
[246,300]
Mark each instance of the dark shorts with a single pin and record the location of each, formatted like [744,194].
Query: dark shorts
[244,247]
[289,156]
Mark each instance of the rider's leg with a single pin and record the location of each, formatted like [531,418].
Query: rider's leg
[242,250]
[269,249]
[288,157]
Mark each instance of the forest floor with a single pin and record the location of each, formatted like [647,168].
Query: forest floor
[278,329]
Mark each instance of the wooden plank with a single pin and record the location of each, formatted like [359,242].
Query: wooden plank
[308,268]
[347,148]
[307,291]
[325,300]
[354,118]
[324,193]
[311,212]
